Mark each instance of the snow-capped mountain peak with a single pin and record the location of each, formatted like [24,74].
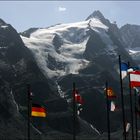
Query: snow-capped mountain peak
[63,29]
[96,14]
[59,49]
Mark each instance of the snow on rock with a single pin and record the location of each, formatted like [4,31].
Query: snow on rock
[3,47]
[135,53]
[94,129]
[68,56]
[15,104]
[4,26]
[96,23]
[61,93]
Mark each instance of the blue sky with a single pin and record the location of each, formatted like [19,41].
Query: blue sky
[25,14]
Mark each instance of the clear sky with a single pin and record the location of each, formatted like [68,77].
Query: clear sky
[25,14]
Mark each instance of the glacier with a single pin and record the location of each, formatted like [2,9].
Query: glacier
[69,55]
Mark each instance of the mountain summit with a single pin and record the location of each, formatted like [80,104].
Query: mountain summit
[96,14]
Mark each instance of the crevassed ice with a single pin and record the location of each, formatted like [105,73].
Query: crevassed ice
[70,53]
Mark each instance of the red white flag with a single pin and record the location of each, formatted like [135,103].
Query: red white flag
[135,79]
[127,127]
[112,106]
[78,98]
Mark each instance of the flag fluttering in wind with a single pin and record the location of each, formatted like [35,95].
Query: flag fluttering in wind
[79,101]
[137,91]
[38,111]
[135,79]
[79,109]
[78,98]
[128,125]
[113,106]
[124,68]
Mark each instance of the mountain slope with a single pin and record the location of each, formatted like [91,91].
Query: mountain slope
[131,37]
[85,52]
[67,56]
[19,68]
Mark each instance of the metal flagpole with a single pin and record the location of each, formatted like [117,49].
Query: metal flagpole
[136,125]
[122,101]
[107,105]
[29,109]
[74,113]
[131,106]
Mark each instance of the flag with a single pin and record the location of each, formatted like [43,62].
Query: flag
[134,79]
[113,106]
[38,111]
[137,90]
[78,98]
[79,109]
[127,127]
[31,95]
[124,68]
[110,93]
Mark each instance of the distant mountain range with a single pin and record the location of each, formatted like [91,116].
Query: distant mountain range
[50,60]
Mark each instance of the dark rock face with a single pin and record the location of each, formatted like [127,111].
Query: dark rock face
[95,46]
[10,120]
[28,32]
[17,64]
[53,64]
[8,108]
[17,68]
[57,42]
[131,38]
[130,35]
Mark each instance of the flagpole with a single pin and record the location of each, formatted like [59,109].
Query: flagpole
[136,125]
[131,106]
[122,101]
[107,105]
[29,110]
[74,113]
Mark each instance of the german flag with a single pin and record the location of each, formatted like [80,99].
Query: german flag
[38,111]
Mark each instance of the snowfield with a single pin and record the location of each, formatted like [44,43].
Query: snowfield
[68,58]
